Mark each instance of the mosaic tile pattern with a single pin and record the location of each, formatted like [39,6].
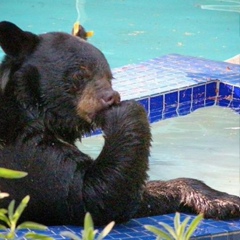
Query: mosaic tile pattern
[135,230]
[171,86]
[175,85]
[171,72]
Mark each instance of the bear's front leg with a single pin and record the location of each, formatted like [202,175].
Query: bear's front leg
[113,185]
[188,195]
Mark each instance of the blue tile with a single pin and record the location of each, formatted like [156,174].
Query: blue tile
[235,103]
[225,89]
[147,220]
[145,103]
[220,237]
[236,92]
[225,94]
[119,235]
[202,238]
[235,236]
[198,97]
[171,99]
[156,103]
[147,238]
[156,108]
[170,113]
[171,104]
[184,107]
[168,218]
[211,93]
[184,110]
[138,234]
[208,230]
[185,95]
[155,117]
[226,226]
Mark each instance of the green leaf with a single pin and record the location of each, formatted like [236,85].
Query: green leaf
[32,225]
[192,227]
[8,173]
[10,235]
[106,231]
[182,227]
[177,222]
[3,211]
[21,208]
[70,235]
[89,234]
[88,222]
[158,232]
[35,236]
[3,195]
[2,236]
[11,210]
[5,219]
[169,229]
[2,227]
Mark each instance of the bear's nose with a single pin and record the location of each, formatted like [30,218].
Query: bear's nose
[111,98]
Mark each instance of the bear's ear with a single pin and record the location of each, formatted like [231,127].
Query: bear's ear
[14,41]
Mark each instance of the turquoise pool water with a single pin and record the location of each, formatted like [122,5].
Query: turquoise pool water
[130,31]
[204,145]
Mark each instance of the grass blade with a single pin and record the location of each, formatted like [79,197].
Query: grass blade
[5,219]
[169,229]
[35,236]
[88,222]
[2,227]
[182,228]
[3,195]
[70,235]
[7,173]
[158,232]
[177,222]
[32,225]
[106,231]
[11,210]
[21,208]
[192,227]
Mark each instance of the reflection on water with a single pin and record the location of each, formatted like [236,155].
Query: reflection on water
[202,145]
[232,6]
[129,32]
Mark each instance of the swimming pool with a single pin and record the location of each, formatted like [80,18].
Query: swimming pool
[132,31]
[210,139]
[139,31]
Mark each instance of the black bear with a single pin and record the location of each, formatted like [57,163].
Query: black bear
[54,88]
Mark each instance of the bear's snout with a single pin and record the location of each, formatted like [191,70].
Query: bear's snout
[97,96]
[111,98]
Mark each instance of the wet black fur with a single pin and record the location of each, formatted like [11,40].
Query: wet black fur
[39,125]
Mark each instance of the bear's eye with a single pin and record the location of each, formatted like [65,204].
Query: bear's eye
[77,85]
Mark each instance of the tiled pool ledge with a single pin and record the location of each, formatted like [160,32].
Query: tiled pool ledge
[170,86]
[176,85]
[135,230]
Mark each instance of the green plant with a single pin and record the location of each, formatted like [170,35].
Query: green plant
[180,230]
[7,173]
[11,216]
[88,232]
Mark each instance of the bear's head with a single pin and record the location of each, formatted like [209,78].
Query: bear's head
[54,80]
